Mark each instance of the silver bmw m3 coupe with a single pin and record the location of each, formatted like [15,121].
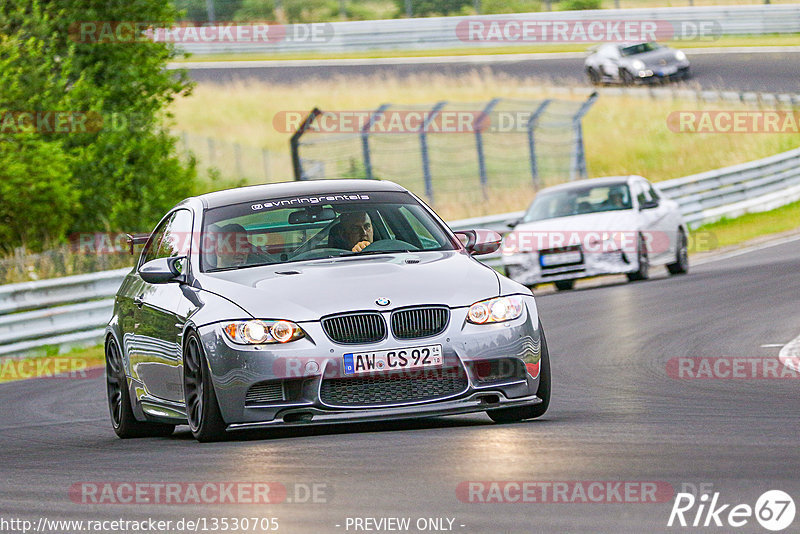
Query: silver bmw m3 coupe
[317,302]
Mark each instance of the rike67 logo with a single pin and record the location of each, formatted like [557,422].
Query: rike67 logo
[774,510]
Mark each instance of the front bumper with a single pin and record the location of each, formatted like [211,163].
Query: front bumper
[651,74]
[475,402]
[303,365]
[525,268]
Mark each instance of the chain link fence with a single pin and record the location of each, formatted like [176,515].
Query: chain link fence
[453,153]
[235,161]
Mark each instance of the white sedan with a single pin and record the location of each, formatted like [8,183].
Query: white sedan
[594,227]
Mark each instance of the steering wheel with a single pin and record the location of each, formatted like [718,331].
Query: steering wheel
[318,253]
[389,245]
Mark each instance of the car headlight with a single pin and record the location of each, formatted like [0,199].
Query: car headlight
[257,332]
[680,56]
[495,310]
[637,64]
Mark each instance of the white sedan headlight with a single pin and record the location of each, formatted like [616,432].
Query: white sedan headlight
[680,56]
[257,332]
[495,310]
[637,64]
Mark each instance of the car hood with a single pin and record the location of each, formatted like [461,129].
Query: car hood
[548,233]
[654,58]
[306,291]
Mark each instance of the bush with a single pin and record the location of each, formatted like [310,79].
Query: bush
[255,10]
[126,171]
[489,7]
[196,10]
[39,196]
[427,8]
[578,5]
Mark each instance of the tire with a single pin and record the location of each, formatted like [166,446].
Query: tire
[512,415]
[643,272]
[626,77]
[123,421]
[594,76]
[202,408]
[564,285]
[681,265]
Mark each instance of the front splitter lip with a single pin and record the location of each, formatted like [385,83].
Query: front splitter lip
[474,403]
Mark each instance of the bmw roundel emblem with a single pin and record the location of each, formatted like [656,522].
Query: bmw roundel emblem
[382,301]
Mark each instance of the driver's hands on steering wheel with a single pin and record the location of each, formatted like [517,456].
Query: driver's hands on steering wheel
[361,245]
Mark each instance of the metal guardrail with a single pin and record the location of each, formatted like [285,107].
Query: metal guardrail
[65,312]
[731,191]
[61,312]
[441,32]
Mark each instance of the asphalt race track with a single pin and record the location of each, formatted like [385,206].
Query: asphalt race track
[615,416]
[775,72]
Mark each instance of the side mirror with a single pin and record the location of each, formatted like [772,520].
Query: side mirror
[650,204]
[162,270]
[513,223]
[479,242]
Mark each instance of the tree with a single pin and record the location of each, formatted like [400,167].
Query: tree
[39,198]
[121,163]
[426,8]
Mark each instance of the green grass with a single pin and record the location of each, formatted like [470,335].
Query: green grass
[724,41]
[624,134]
[76,361]
[728,232]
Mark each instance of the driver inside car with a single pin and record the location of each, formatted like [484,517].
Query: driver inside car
[353,231]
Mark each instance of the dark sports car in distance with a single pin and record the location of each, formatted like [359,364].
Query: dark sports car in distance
[630,63]
[317,302]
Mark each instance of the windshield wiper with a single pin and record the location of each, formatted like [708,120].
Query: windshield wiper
[371,252]
[237,267]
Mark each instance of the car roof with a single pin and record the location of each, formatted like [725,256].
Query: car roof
[287,189]
[606,180]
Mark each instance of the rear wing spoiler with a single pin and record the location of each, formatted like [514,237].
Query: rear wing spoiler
[136,239]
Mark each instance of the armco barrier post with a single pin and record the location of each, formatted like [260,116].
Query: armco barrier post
[578,160]
[365,139]
[294,143]
[531,126]
[479,142]
[423,141]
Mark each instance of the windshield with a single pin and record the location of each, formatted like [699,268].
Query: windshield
[579,201]
[293,229]
[639,49]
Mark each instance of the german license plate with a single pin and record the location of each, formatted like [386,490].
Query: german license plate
[560,258]
[394,359]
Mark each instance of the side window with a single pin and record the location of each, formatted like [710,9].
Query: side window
[423,234]
[642,193]
[177,236]
[172,238]
[151,248]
